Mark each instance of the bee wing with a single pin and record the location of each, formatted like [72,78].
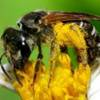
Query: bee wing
[68,16]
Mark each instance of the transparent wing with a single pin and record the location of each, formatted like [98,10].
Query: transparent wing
[68,16]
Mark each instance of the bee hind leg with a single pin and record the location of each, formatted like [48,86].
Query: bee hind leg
[40,56]
[39,59]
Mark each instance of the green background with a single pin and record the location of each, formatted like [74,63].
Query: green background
[12,10]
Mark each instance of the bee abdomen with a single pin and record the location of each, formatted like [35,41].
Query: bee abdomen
[92,40]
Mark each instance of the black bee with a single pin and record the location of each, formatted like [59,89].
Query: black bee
[38,25]
[37,28]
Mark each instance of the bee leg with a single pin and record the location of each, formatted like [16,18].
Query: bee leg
[2,67]
[39,58]
[14,70]
[18,80]
[82,56]
[54,51]
[40,55]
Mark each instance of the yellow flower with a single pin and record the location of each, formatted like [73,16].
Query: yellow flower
[59,82]
[70,34]
[63,84]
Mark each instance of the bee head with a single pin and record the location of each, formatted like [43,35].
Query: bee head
[16,47]
[9,35]
[31,22]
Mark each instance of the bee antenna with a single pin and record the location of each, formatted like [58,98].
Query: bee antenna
[2,67]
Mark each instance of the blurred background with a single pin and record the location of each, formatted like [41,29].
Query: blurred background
[12,10]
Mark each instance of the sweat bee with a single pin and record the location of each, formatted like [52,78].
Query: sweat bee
[38,25]
[36,28]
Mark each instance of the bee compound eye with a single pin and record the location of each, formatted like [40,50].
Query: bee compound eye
[36,29]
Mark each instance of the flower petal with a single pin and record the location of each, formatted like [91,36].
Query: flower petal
[4,81]
[94,90]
